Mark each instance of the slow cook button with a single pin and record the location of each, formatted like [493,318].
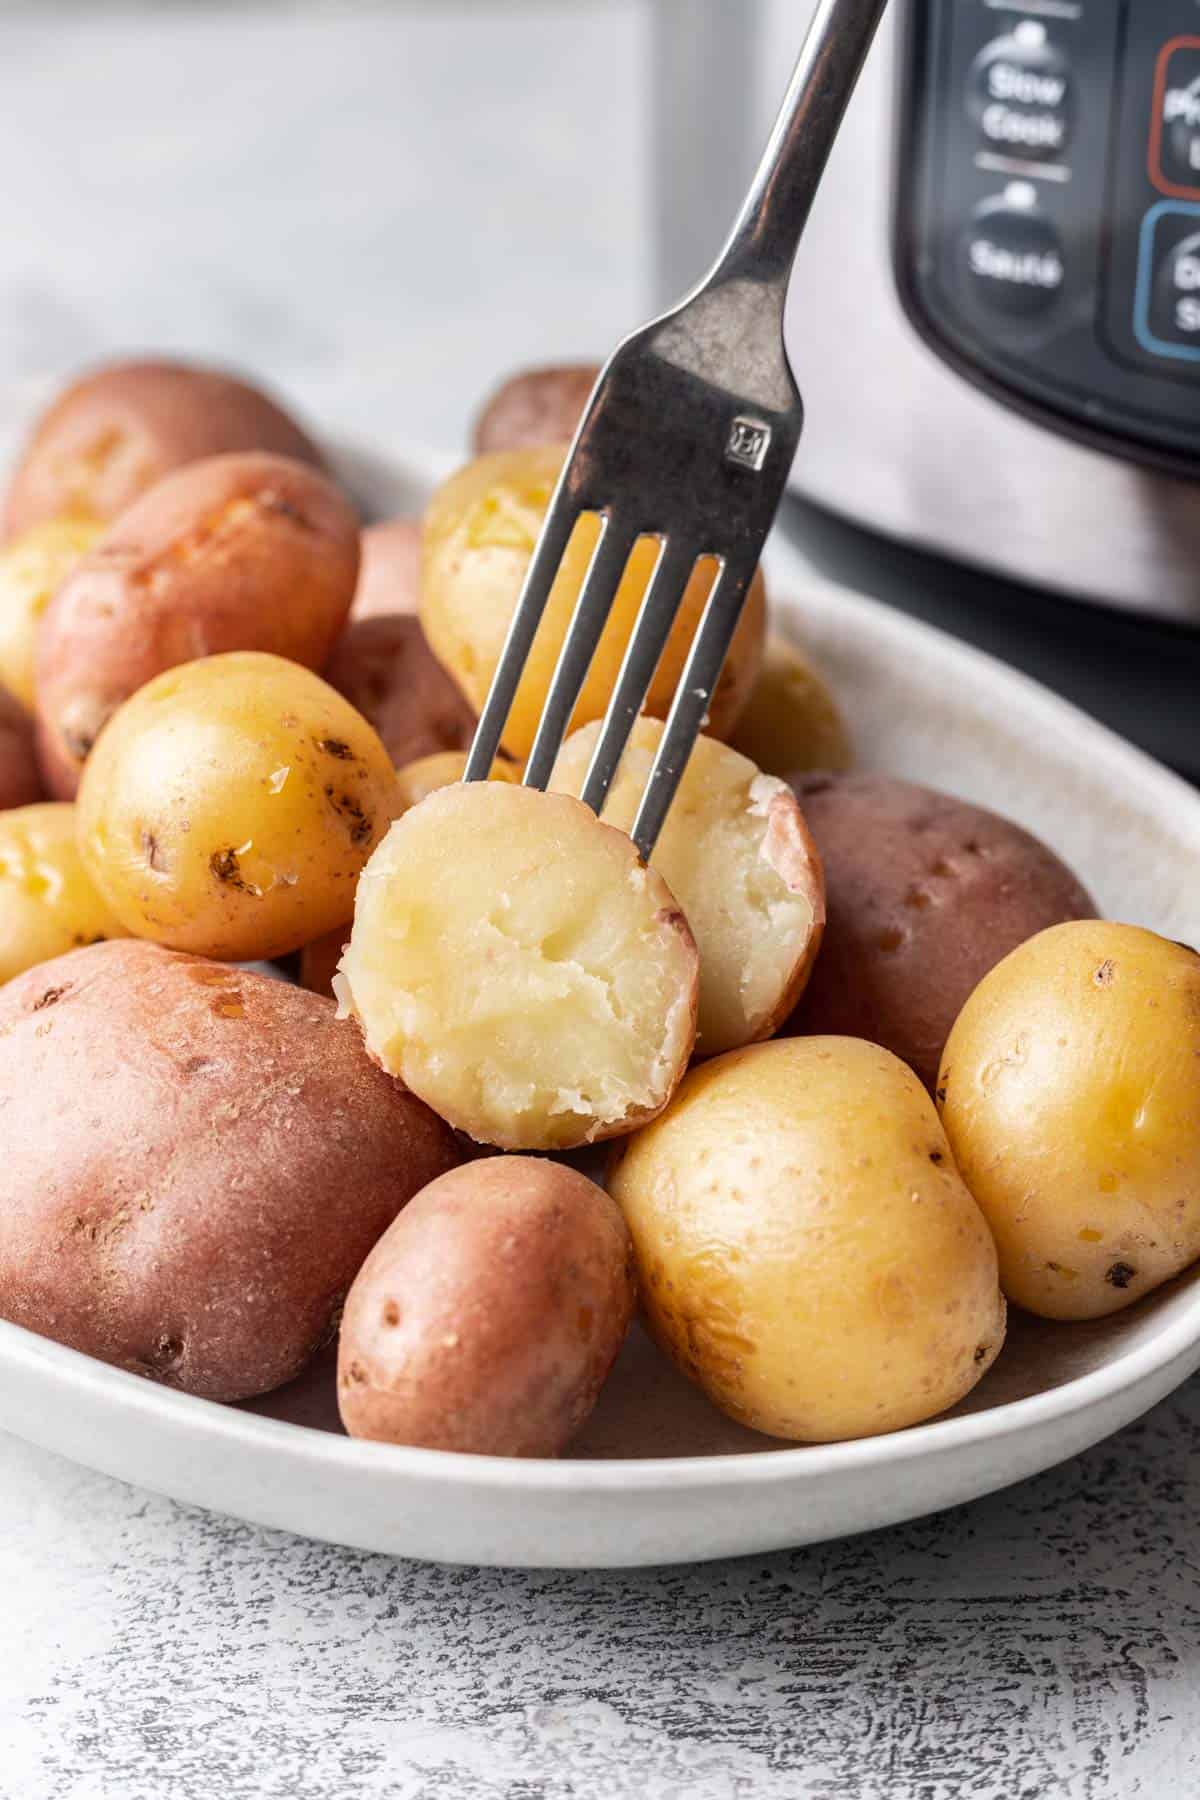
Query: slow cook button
[1012,256]
[1180,89]
[1175,305]
[1020,95]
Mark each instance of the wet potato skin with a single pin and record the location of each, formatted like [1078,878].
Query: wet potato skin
[806,1251]
[925,893]
[32,569]
[197,1160]
[120,428]
[487,1317]
[536,406]
[230,806]
[791,720]
[20,783]
[241,552]
[386,670]
[1070,1092]
[48,905]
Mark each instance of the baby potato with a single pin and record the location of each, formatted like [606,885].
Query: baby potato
[536,406]
[31,568]
[479,535]
[487,1317]
[1070,1092]
[247,552]
[229,807]
[389,570]
[20,784]
[791,721]
[47,903]
[736,854]
[517,966]
[925,894]
[120,428]
[387,672]
[197,1160]
[806,1251]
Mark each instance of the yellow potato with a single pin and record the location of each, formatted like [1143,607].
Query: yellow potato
[31,568]
[1070,1091]
[516,965]
[429,773]
[736,854]
[230,805]
[479,535]
[47,903]
[791,722]
[806,1251]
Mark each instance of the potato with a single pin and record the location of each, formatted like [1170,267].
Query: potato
[389,571]
[479,535]
[517,966]
[47,903]
[737,856]
[117,430]
[196,1161]
[537,406]
[806,1250]
[230,806]
[387,671]
[20,784]
[31,569]
[925,894]
[791,721]
[244,552]
[1070,1092]
[488,1316]
[319,960]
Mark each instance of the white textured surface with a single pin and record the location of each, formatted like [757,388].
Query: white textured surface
[1037,1645]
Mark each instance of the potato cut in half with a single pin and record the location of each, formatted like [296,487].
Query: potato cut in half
[736,853]
[516,964]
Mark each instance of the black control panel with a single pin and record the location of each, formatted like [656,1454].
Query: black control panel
[1048,209]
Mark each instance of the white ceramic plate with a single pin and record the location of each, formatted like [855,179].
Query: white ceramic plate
[658,1475]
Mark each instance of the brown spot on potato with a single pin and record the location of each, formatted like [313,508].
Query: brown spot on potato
[228,870]
[391,1313]
[981,1351]
[164,1353]
[1106,973]
[935,1156]
[153,852]
[890,940]
[940,1095]
[918,899]
[1120,1274]
[210,975]
[336,747]
[229,1006]
[355,1375]
[52,996]
[352,814]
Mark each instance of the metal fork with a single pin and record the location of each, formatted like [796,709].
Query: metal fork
[688,437]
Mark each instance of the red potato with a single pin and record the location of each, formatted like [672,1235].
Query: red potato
[196,1162]
[487,1317]
[386,670]
[119,429]
[389,575]
[246,552]
[537,406]
[20,784]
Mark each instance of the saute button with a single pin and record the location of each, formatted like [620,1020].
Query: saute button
[1011,254]
[1181,117]
[1021,95]
[1175,302]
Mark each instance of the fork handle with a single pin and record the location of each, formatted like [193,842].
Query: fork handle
[762,245]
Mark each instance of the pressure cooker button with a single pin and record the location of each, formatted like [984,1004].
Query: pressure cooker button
[1011,254]
[1020,95]
[1175,299]
[1180,153]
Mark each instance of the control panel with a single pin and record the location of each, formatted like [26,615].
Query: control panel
[1048,208]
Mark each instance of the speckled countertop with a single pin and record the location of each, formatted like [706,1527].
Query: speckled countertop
[291,191]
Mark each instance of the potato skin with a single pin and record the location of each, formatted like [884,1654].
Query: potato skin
[20,783]
[386,670]
[230,806]
[32,569]
[197,1160]
[487,1317]
[48,905]
[535,406]
[1070,1092]
[791,721]
[479,535]
[243,552]
[806,1250]
[389,570]
[120,428]
[925,893]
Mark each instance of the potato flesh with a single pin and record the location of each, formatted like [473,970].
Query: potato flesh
[47,903]
[1070,1091]
[518,968]
[31,568]
[735,853]
[807,1252]
[230,805]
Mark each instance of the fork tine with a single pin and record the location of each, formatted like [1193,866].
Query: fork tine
[656,615]
[560,522]
[692,699]
[592,609]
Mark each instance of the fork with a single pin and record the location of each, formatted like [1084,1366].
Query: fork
[688,437]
